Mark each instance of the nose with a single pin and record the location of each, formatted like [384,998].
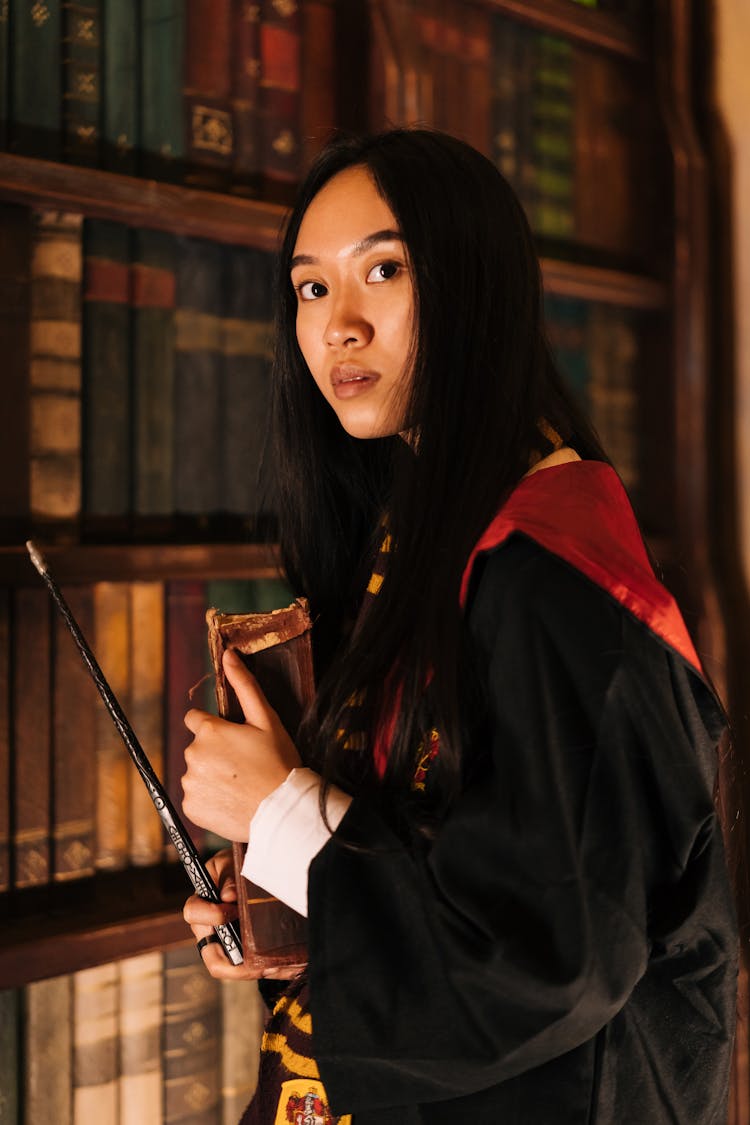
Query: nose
[347,326]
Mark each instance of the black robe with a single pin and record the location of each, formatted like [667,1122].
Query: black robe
[565,952]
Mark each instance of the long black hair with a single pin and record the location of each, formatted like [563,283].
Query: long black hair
[483,384]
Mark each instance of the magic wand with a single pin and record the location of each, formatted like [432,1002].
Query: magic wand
[197,872]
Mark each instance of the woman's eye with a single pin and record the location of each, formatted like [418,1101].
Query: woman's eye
[384,271]
[311,290]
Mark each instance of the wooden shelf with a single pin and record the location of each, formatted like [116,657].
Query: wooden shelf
[595,29]
[594,283]
[141,203]
[140,562]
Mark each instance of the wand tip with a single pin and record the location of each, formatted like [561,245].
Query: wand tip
[36,556]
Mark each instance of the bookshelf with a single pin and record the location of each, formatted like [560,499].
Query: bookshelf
[398,62]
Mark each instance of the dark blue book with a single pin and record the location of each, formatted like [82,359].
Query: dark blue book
[36,78]
[120,86]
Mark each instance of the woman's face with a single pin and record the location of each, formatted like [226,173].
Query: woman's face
[355,304]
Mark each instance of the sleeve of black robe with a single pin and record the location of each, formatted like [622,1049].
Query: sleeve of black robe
[526,927]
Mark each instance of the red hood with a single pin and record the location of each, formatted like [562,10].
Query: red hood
[579,511]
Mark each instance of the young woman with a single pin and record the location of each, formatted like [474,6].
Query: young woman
[504,835]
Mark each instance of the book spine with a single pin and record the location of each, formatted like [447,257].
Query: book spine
[4,73]
[245,107]
[146,703]
[10,1056]
[475,23]
[208,80]
[121,80]
[199,390]
[455,106]
[106,376]
[614,356]
[140,1064]
[504,149]
[192,1074]
[75,704]
[113,768]
[246,345]
[47,1021]
[241,1033]
[5,740]
[36,101]
[162,61]
[15,315]
[552,138]
[55,368]
[81,81]
[95,1061]
[153,300]
[280,96]
[185,668]
[31,744]
[318,76]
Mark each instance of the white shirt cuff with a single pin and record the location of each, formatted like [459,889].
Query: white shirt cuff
[286,834]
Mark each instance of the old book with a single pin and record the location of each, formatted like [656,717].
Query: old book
[614,359]
[95,1042]
[280,76]
[10,1056]
[36,101]
[106,377]
[147,713]
[475,54]
[241,1033]
[55,368]
[246,354]
[113,768]
[140,1027]
[244,98]
[47,1022]
[31,736]
[5,739]
[552,138]
[318,77]
[81,80]
[276,648]
[75,704]
[192,1060]
[198,377]
[15,313]
[208,84]
[185,641]
[153,329]
[120,86]
[4,75]
[162,55]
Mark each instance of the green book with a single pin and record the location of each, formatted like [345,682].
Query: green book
[552,141]
[162,132]
[36,101]
[47,1050]
[106,374]
[81,80]
[120,86]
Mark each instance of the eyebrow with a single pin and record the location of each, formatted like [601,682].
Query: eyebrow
[359,247]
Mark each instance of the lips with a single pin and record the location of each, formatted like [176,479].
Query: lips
[347,382]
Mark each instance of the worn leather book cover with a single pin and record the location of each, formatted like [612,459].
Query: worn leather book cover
[276,647]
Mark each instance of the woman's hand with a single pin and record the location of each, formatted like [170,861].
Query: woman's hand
[231,767]
[202,916]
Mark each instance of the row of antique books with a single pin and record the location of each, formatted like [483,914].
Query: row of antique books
[71,801]
[149,1040]
[142,359]
[560,120]
[205,91]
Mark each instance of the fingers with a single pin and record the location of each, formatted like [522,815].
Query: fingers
[194,719]
[255,707]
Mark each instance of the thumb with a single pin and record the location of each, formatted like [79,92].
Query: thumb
[255,707]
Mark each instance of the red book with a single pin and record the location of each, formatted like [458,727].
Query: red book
[5,777]
[208,83]
[185,669]
[15,312]
[245,86]
[318,63]
[280,77]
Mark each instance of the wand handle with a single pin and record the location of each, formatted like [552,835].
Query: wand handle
[197,872]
